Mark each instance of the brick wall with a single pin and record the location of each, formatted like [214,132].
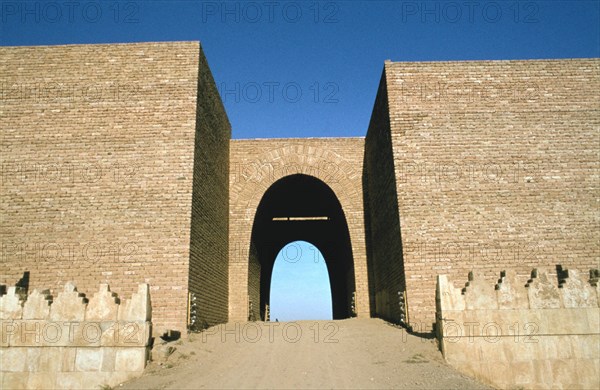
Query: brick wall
[98,154]
[496,167]
[382,222]
[208,275]
[254,270]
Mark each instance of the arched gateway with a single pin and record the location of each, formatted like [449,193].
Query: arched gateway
[287,190]
[301,207]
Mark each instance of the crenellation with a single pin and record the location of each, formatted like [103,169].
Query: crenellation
[37,306]
[104,305]
[576,292]
[511,293]
[69,305]
[69,342]
[542,292]
[533,326]
[11,304]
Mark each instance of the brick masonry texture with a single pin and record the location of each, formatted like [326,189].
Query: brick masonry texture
[209,242]
[496,166]
[99,148]
[382,224]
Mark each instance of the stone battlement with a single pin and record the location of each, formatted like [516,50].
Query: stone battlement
[545,328]
[72,341]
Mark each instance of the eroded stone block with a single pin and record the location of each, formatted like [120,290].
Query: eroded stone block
[41,380]
[126,334]
[37,306]
[103,306]
[586,347]
[575,292]
[68,380]
[522,373]
[449,296]
[69,305]
[138,307]
[7,328]
[13,359]
[42,333]
[49,360]
[510,293]
[11,305]
[130,359]
[14,380]
[498,372]
[108,359]
[563,322]
[88,359]
[68,359]
[593,317]
[93,380]
[564,372]
[564,347]
[542,291]
[479,293]
[33,359]
[542,372]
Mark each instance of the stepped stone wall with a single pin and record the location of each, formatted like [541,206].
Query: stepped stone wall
[71,341]
[542,332]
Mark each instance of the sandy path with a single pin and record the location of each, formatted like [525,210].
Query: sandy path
[349,354]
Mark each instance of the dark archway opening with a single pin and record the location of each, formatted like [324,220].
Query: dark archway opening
[300,208]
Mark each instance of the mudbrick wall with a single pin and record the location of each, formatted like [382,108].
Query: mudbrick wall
[382,221]
[542,332]
[69,341]
[209,241]
[104,152]
[496,166]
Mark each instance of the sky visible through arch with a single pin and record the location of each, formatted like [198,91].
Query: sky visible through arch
[300,288]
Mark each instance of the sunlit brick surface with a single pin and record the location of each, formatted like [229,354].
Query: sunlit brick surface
[496,167]
[97,156]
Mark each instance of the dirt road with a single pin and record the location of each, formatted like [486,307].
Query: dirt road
[348,354]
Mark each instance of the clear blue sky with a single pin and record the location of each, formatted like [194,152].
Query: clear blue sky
[300,286]
[331,52]
[310,68]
